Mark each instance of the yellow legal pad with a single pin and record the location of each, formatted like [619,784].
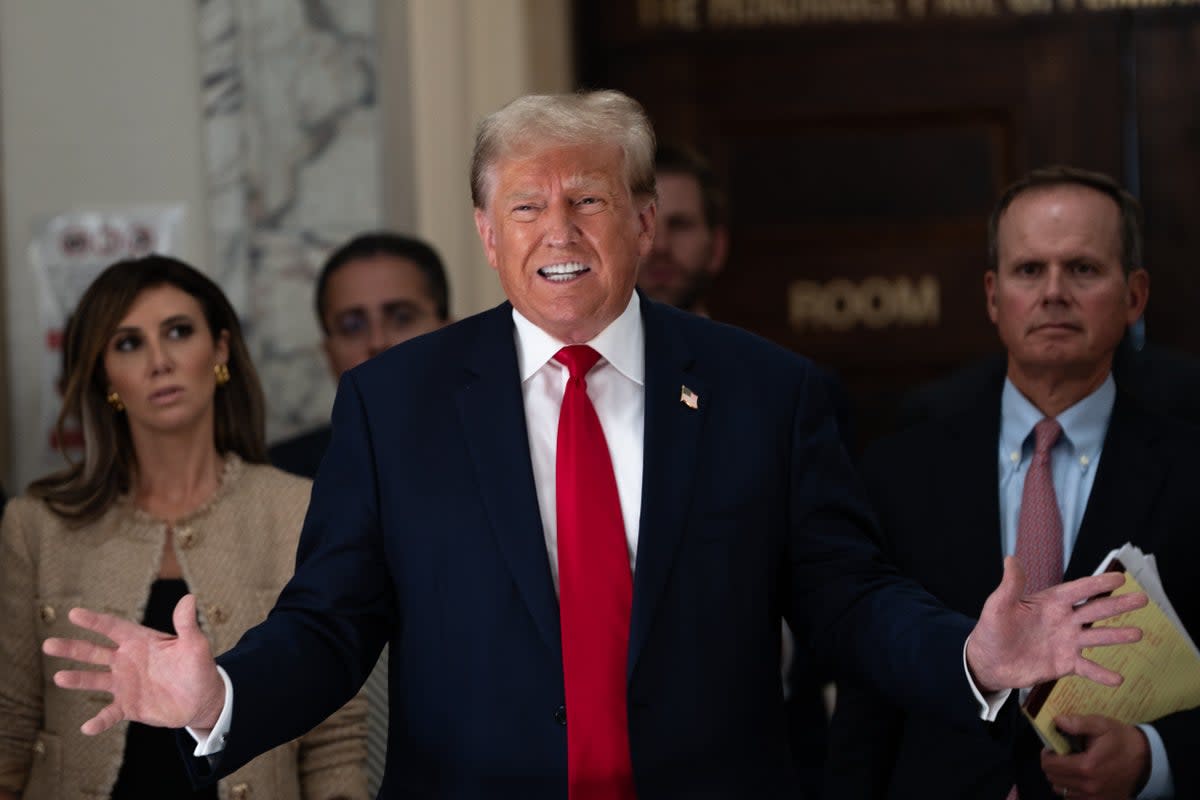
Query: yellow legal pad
[1162,676]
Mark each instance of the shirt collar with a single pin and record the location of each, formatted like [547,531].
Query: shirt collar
[1084,424]
[622,344]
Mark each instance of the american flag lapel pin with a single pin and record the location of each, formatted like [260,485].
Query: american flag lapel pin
[689,398]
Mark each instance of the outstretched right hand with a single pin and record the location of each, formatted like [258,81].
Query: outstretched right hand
[156,679]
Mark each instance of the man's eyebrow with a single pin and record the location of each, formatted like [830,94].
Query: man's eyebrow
[522,194]
[589,180]
[583,181]
[400,302]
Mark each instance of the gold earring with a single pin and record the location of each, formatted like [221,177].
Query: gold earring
[114,400]
[222,373]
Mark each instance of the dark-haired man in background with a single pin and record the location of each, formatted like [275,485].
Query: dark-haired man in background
[691,237]
[377,290]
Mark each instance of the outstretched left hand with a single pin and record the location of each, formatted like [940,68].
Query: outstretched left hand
[1024,640]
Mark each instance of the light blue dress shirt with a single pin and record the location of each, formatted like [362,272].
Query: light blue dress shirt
[1074,461]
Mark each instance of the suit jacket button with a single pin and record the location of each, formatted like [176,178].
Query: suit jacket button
[241,791]
[48,615]
[560,715]
[216,614]
[39,748]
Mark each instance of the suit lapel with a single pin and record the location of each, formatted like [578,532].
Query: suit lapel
[671,436]
[1126,484]
[492,414]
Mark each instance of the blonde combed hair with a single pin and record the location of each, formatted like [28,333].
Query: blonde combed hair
[583,118]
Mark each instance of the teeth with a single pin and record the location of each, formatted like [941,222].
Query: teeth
[557,269]
[562,272]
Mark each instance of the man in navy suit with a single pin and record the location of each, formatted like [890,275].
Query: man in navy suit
[437,521]
[1065,279]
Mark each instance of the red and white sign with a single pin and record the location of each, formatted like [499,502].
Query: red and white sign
[66,253]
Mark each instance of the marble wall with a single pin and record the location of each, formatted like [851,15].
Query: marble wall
[292,152]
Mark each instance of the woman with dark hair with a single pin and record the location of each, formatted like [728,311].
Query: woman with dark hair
[172,495]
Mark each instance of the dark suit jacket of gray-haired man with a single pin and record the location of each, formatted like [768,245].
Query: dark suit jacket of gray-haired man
[1062,288]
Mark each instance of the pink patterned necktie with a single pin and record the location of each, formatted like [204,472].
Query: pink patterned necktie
[1039,526]
[595,595]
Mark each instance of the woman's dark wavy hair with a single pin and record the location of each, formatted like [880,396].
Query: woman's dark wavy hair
[85,489]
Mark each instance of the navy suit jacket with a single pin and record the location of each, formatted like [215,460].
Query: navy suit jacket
[936,489]
[424,530]
[301,454]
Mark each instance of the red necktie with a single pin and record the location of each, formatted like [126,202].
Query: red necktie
[1039,525]
[595,595]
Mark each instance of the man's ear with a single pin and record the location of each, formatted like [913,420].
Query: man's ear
[720,249]
[646,217]
[487,235]
[1139,293]
[989,290]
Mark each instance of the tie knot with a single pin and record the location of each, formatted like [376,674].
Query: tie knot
[578,359]
[1045,434]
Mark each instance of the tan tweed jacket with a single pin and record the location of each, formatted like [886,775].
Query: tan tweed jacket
[236,553]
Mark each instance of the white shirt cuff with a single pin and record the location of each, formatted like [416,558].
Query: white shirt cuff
[989,705]
[1161,783]
[214,741]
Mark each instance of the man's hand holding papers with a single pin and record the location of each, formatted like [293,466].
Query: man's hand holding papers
[1161,672]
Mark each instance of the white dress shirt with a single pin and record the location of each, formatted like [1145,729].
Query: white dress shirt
[617,389]
[1074,461]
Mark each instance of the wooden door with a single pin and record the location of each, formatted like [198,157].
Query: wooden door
[863,155]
